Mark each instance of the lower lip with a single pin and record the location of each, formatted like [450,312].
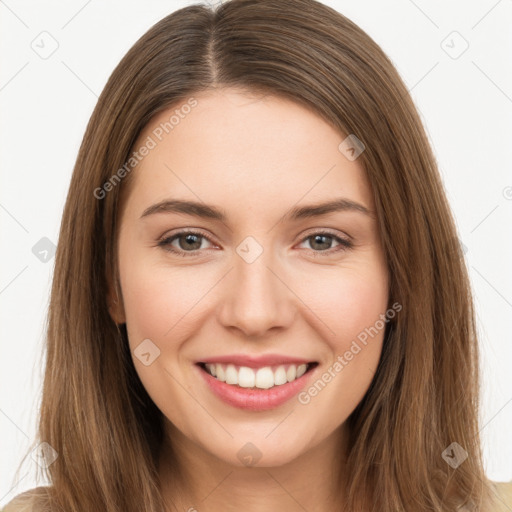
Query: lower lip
[255,399]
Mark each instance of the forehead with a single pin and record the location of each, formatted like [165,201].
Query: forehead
[253,150]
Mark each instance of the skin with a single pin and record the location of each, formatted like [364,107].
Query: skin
[255,157]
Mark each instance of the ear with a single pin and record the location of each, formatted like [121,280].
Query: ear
[115,303]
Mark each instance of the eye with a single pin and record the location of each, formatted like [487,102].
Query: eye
[321,241]
[189,243]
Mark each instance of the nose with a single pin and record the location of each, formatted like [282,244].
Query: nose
[257,297]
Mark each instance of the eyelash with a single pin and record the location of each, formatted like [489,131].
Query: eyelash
[165,243]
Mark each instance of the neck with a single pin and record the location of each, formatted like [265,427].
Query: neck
[193,479]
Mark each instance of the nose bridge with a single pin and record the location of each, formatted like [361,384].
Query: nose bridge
[256,299]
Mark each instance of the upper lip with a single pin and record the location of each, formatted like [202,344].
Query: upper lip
[255,361]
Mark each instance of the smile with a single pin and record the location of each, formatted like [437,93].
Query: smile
[256,389]
[262,378]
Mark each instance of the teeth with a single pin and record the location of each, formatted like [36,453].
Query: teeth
[279,376]
[212,368]
[246,377]
[301,370]
[263,378]
[219,373]
[291,374]
[231,375]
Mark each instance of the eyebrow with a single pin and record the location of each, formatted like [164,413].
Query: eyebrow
[204,210]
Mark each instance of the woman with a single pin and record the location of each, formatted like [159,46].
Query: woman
[259,298]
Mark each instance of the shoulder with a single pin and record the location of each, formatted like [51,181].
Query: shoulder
[503,492]
[28,501]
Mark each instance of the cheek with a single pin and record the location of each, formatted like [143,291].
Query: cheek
[351,305]
[348,300]
[161,304]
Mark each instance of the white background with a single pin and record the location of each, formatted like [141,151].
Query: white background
[465,104]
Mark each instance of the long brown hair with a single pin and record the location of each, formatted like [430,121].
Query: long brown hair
[424,397]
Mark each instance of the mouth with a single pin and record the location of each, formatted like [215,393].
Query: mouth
[254,378]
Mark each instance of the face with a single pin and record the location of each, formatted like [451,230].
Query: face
[251,273]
